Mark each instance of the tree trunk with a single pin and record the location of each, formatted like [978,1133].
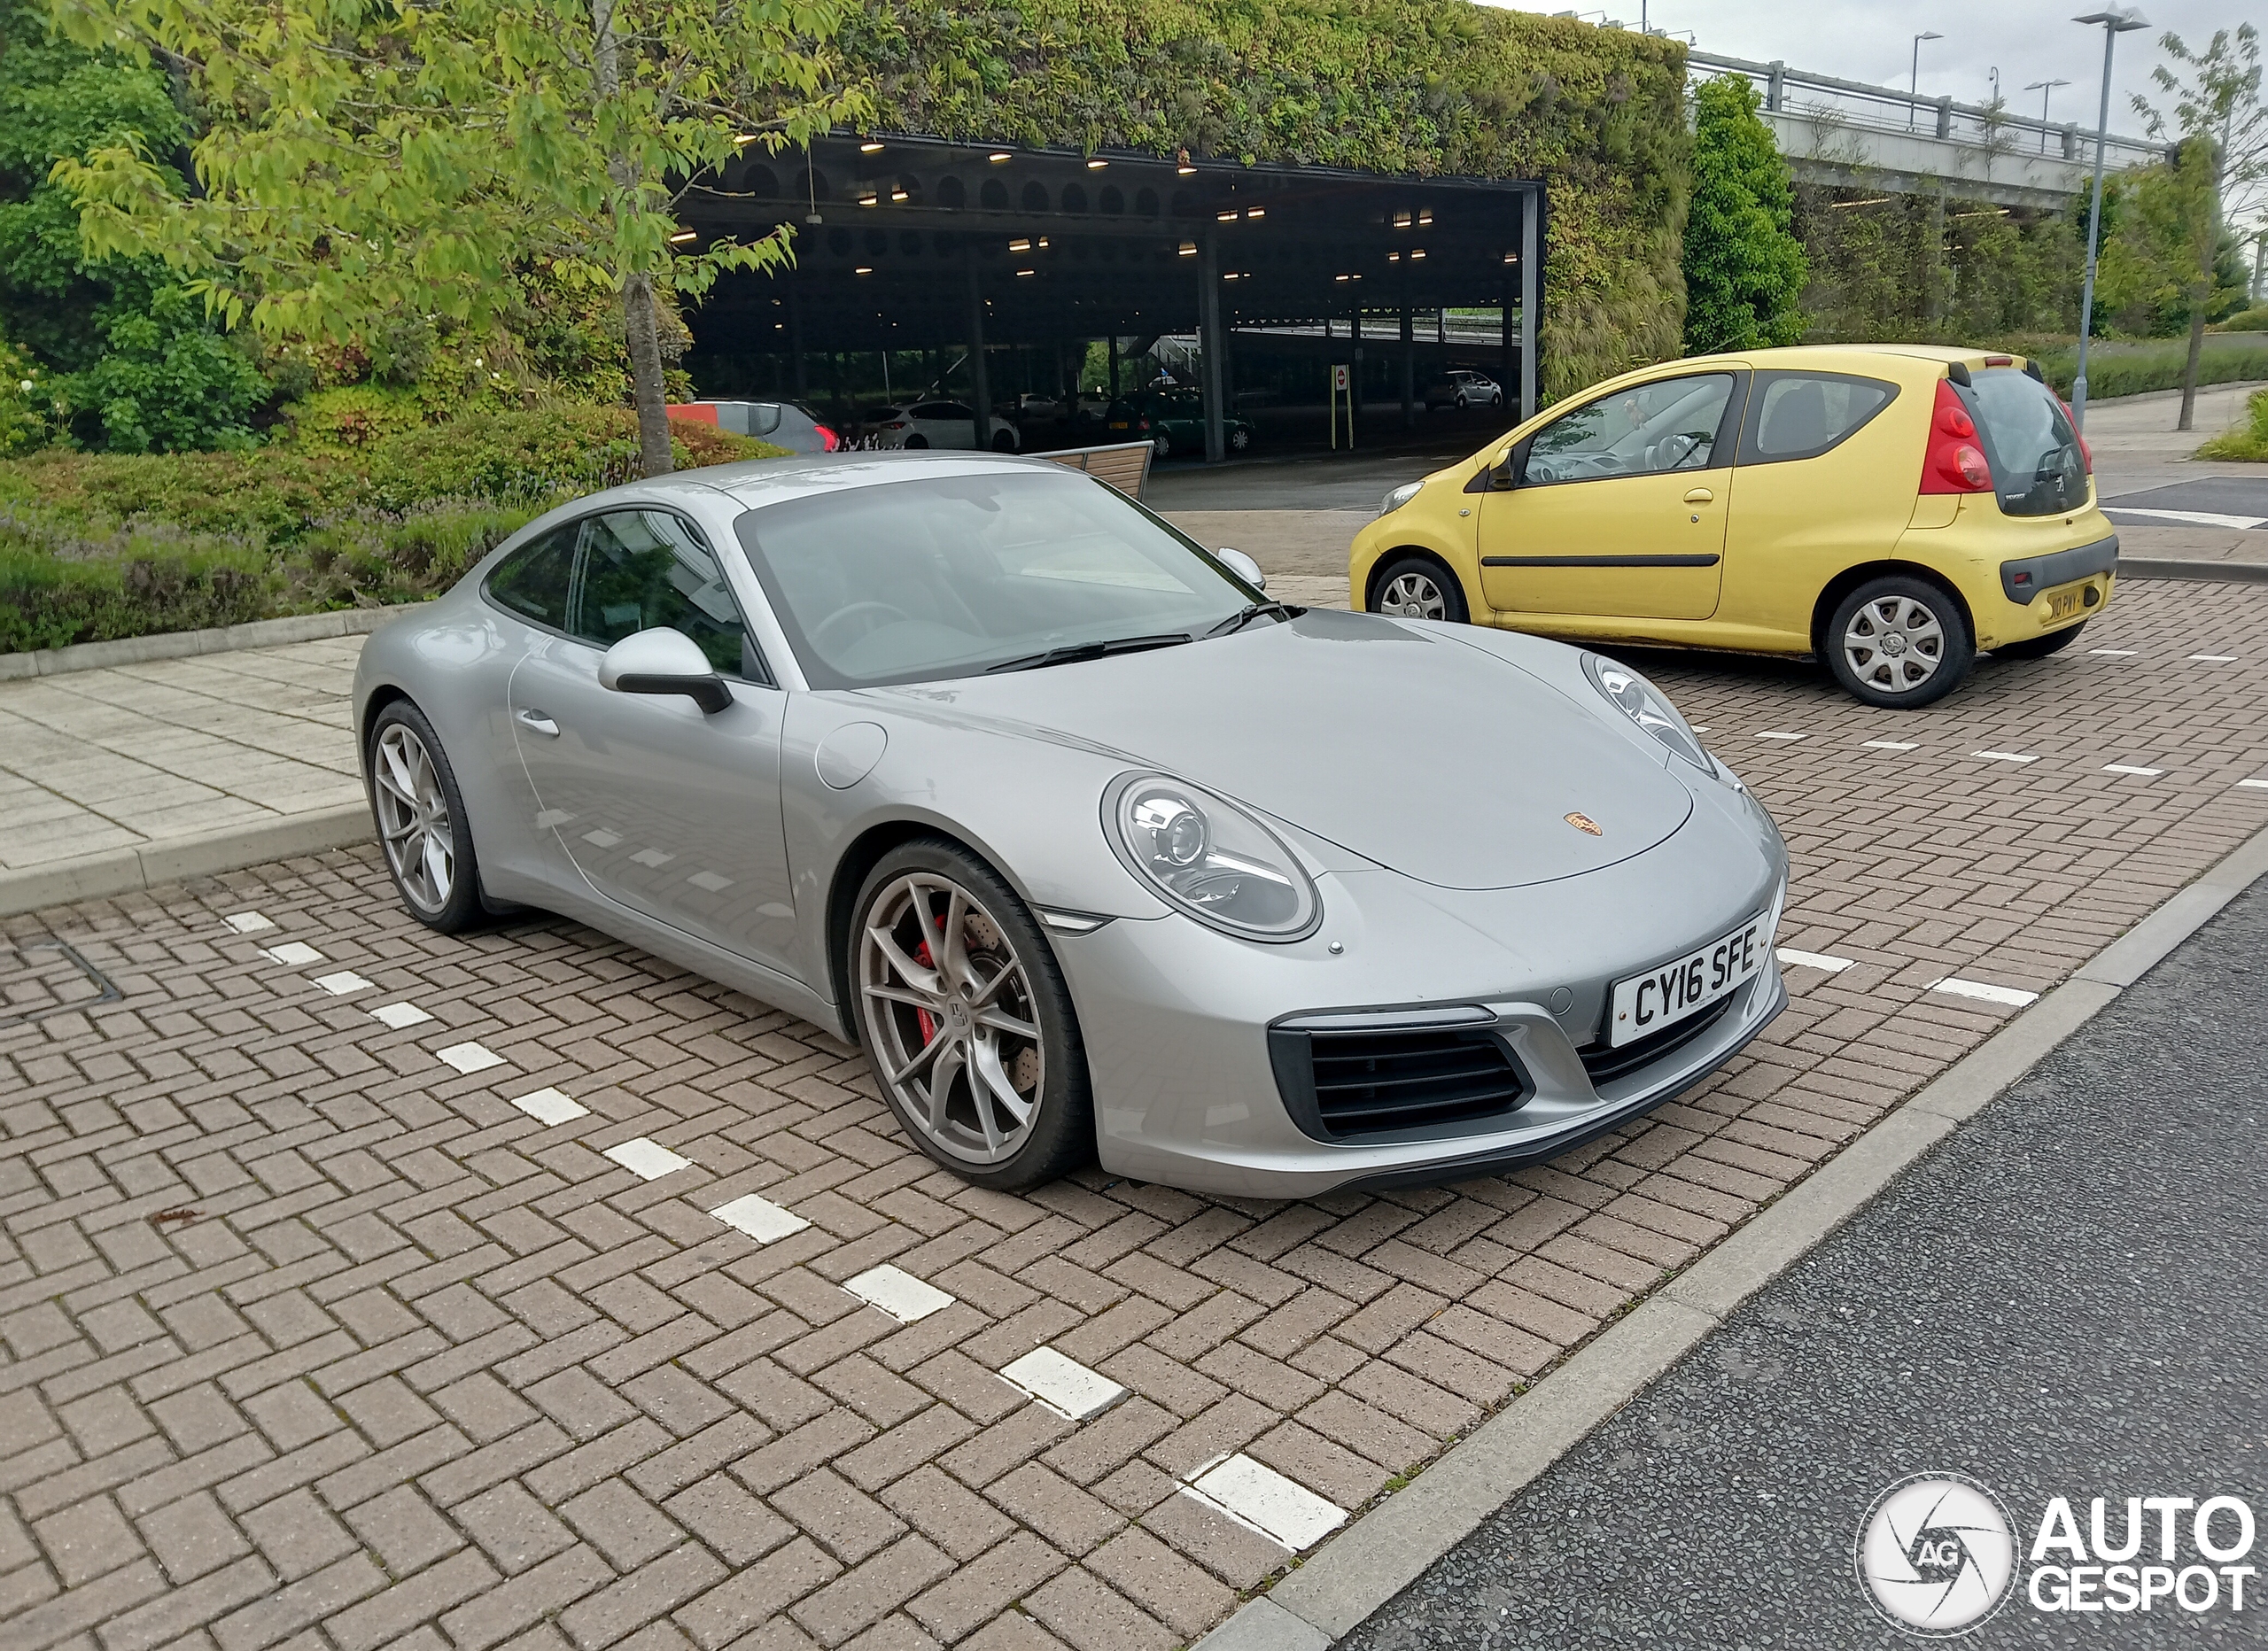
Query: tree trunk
[643,336]
[2189,371]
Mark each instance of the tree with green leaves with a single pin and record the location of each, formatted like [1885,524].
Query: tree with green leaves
[113,353]
[2221,160]
[1744,269]
[361,161]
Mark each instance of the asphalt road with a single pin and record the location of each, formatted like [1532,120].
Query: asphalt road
[2220,495]
[2064,1300]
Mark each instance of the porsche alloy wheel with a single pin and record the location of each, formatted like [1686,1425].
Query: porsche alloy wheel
[414,820]
[966,1021]
[420,816]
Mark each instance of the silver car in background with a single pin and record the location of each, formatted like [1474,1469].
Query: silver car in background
[1094,848]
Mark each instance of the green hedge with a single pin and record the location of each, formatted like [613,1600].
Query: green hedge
[1422,86]
[95,547]
[2123,368]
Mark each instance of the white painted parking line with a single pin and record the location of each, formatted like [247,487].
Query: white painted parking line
[1259,1499]
[2114,653]
[292,953]
[2212,659]
[248,922]
[551,1106]
[1813,960]
[470,1057]
[340,984]
[1984,991]
[2129,768]
[2003,756]
[1065,1386]
[1889,745]
[2195,518]
[648,1160]
[760,1219]
[1775,733]
[901,1295]
[2256,785]
[400,1015]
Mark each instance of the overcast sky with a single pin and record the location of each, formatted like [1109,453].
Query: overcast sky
[1865,40]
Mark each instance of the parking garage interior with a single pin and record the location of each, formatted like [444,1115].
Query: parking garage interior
[909,252]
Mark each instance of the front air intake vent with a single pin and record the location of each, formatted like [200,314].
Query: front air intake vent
[1394,1081]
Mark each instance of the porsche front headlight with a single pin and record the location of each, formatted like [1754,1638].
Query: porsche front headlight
[1209,858]
[1646,705]
[1399,497]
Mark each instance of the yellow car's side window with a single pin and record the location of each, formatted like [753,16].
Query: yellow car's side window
[1670,424]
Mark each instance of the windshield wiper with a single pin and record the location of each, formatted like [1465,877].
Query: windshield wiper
[1077,651]
[1237,622]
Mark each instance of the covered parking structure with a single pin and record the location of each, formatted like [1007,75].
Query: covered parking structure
[913,243]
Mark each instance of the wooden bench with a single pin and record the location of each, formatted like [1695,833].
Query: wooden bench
[1125,466]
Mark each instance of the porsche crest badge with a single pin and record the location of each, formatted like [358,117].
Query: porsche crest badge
[1585,823]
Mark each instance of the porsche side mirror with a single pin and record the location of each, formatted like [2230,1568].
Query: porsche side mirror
[1244,567]
[662,661]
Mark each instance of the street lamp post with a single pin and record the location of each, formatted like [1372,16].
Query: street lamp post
[1913,88]
[2115,21]
[2046,90]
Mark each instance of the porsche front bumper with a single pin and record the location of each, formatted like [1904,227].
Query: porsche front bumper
[1177,1016]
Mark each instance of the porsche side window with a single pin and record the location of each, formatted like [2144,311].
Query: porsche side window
[1670,424]
[534,580]
[1801,415]
[644,568]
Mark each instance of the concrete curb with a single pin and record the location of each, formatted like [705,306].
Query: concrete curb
[1389,1548]
[140,650]
[2192,567]
[206,854]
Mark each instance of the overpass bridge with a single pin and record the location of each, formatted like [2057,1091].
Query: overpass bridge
[1851,134]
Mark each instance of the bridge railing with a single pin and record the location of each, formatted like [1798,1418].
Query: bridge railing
[1885,108]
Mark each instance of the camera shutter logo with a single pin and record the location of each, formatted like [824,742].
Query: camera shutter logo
[1935,1556]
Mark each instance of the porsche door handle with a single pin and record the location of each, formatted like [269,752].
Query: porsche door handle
[1699,496]
[538,723]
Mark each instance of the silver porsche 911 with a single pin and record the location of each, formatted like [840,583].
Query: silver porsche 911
[1093,848]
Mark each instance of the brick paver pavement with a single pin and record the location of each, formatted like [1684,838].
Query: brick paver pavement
[312,1340]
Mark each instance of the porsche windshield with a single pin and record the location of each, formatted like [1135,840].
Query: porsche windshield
[951,576]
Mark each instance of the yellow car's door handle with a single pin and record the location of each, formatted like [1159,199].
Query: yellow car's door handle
[1699,496]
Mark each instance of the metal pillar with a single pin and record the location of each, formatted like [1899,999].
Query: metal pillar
[1531,297]
[1212,346]
[980,391]
[1408,369]
[1775,86]
[796,345]
[2095,232]
[1354,370]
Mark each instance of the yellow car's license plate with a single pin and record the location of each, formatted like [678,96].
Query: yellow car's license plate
[2063,603]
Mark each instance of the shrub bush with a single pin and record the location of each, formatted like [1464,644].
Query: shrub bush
[95,547]
[2249,440]
[2254,319]
[2118,367]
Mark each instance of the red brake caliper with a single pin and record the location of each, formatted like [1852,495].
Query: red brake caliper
[922,1017]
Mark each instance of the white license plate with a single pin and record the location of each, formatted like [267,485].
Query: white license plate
[1645,1004]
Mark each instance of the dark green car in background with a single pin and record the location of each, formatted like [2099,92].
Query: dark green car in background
[1174,419]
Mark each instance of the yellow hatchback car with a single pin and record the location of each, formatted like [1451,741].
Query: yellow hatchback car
[1892,509]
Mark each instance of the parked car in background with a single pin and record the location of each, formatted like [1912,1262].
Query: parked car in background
[951,756]
[1899,509]
[1461,387]
[788,424]
[1174,419]
[935,424]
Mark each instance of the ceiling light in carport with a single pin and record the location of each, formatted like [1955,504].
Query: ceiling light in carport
[1228,216]
[864,269]
[1255,212]
[1026,272]
[997,156]
[1189,249]
[870,147]
[1096,163]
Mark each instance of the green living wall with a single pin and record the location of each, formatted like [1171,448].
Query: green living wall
[1909,267]
[1426,88]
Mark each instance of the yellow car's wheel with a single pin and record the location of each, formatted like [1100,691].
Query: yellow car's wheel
[1418,587]
[1900,640]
